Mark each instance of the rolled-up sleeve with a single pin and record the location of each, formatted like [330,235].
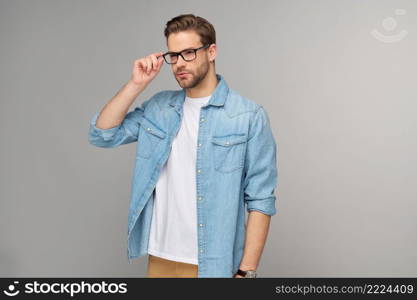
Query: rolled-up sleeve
[124,133]
[261,173]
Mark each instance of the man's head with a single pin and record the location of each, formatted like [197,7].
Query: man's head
[187,32]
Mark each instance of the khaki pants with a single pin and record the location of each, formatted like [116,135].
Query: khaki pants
[161,267]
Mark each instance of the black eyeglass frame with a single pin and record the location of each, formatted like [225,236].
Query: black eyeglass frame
[180,54]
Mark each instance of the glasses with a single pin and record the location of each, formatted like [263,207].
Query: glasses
[187,55]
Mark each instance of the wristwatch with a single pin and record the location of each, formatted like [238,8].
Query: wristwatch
[247,273]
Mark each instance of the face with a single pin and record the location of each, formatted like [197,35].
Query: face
[197,69]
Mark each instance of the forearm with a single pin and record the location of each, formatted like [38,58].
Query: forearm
[256,233]
[116,109]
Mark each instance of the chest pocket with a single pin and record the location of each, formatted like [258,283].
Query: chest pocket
[149,139]
[229,151]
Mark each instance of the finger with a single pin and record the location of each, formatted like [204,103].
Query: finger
[148,64]
[142,64]
[150,60]
[159,56]
[154,62]
[158,53]
[145,65]
[160,62]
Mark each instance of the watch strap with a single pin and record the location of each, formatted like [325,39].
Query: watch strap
[241,272]
[247,273]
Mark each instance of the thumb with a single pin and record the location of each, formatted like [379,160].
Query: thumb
[161,61]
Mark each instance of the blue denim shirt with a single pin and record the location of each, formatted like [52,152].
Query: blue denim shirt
[236,168]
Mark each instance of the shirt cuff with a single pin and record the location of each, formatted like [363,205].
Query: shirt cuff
[265,206]
[106,134]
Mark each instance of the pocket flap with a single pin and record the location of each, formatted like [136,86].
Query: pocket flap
[149,127]
[229,140]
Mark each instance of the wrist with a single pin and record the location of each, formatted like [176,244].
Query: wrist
[246,274]
[247,267]
[135,87]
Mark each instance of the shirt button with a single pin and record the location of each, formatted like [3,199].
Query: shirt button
[198,170]
[148,128]
[201,225]
[202,120]
[199,145]
[201,250]
[199,198]
[227,143]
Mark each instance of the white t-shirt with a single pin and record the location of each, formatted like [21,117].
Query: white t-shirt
[173,233]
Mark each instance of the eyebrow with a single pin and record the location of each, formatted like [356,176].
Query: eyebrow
[172,52]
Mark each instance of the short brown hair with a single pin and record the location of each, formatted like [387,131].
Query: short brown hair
[191,22]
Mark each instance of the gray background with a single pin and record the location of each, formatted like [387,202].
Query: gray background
[342,106]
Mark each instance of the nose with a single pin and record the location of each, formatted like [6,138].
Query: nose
[180,62]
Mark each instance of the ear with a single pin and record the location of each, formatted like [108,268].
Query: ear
[212,52]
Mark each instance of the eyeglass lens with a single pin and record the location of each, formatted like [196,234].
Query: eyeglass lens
[187,55]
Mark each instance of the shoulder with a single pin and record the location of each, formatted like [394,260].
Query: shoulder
[257,114]
[237,104]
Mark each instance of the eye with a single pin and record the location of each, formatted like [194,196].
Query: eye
[188,52]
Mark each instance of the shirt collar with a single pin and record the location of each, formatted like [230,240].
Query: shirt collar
[218,97]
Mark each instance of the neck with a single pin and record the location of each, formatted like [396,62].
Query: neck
[205,87]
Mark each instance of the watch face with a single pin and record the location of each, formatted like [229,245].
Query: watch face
[250,274]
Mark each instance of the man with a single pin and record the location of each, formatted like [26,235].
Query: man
[203,153]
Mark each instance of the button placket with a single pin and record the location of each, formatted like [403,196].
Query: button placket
[200,212]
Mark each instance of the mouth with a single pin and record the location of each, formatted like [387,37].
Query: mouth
[182,74]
